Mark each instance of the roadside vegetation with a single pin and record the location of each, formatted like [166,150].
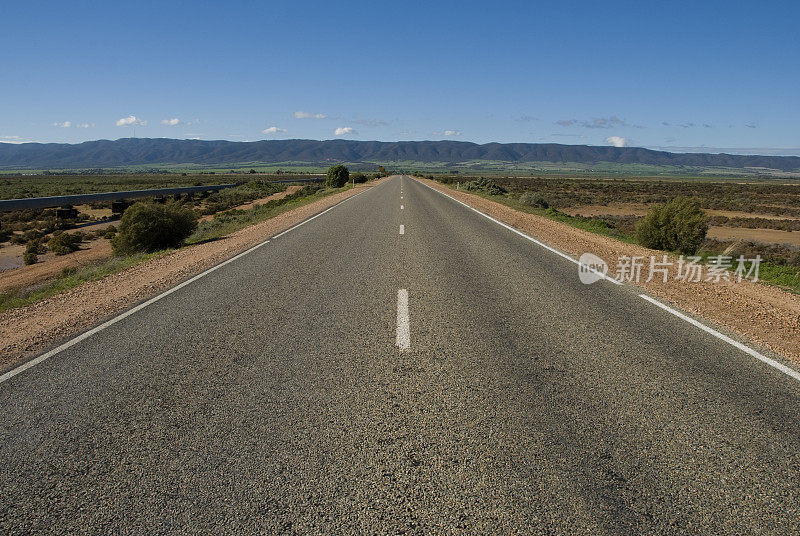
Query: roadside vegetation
[337,176]
[232,220]
[149,227]
[677,225]
[91,181]
[675,214]
[71,278]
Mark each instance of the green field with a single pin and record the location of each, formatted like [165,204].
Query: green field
[21,186]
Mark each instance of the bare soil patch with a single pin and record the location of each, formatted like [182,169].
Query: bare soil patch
[51,265]
[94,212]
[10,257]
[772,236]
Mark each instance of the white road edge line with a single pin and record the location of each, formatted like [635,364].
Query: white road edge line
[72,342]
[403,321]
[402,229]
[318,215]
[771,362]
[523,235]
[746,349]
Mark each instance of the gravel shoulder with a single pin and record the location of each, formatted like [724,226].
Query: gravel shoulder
[33,329]
[766,315]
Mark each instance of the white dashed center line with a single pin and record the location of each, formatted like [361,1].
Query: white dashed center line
[401,207]
[403,321]
[402,229]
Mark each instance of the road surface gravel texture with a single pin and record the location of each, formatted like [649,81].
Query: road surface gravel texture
[33,329]
[766,314]
[269,397]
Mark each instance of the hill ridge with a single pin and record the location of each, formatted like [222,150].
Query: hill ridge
[165,151]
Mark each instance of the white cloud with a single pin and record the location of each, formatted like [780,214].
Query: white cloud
[273,130]
[15,140]
[343,131]
[65,124]
[452,132]
[130,120]
[170,122]
[371,122]
[597,122]
[616,141]
[306,115]
[84,125]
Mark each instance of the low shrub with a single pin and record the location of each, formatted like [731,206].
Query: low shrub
[359,178]
[148,227]
[29,258]
[337,176]
[679,225]
[533,199]
[485,185]
[65,243]
[34,246]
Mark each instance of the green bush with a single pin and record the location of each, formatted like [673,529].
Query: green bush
[29,258]
[65,243]
[34,246]
[360,178]
[485,185]
[533,199]
[679,225]
[148,227]
[337,176]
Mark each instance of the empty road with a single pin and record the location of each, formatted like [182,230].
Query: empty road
[400,364]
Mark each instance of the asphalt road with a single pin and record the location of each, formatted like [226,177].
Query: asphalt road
[272,397]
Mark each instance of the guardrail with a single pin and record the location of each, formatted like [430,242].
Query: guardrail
[79,199]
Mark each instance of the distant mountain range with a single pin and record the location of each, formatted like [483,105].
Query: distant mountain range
[162,151]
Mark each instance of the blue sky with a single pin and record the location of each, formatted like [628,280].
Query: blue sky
[688,75]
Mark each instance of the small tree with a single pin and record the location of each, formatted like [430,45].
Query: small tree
[533,199]
[679,225]
[147,227]
[337,176]
[65,243]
